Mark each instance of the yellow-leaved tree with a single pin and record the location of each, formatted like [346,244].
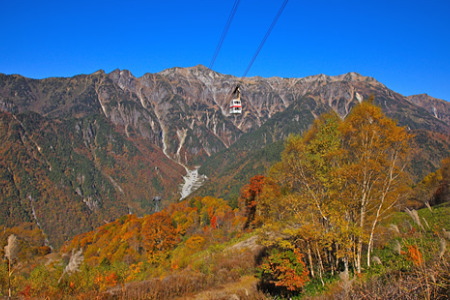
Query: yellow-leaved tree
[308,204]
[337,182]
[373,171]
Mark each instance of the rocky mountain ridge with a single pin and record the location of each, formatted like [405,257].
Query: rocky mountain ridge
[184,111]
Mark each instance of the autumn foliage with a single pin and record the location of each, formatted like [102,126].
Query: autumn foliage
[158,234]
[249,197]
[152,237]
[338,181]
[317,213]
[415,255]
[285,269]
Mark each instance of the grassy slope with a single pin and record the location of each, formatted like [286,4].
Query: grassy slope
[398,276]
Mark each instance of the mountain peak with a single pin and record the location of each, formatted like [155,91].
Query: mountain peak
[99,72]
[184,71]
[353,76]
[119,72]
[198,72]
[200,67]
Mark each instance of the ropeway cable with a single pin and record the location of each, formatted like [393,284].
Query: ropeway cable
[280,11]
[224,33]
[266,36]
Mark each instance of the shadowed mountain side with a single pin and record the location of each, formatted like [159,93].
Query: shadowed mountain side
[72,176]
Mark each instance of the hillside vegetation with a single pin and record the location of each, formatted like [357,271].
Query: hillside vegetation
[81,151]
[82,169]
[334,218]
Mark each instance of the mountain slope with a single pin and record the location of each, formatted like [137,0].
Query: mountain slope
[437,107]
[71,176]
[256,151]
[96,146]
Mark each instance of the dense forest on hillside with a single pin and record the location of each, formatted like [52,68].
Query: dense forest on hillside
[338,217]
[82,169]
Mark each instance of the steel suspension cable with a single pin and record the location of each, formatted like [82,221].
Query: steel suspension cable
[275,20]
[224,33]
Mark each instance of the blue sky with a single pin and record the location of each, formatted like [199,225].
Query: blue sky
[403,44]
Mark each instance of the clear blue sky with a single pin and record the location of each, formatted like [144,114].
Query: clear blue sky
[403,44]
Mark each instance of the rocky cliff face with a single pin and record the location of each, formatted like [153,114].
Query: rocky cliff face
[131,139]
[184,111]
[191,104]
[440,109]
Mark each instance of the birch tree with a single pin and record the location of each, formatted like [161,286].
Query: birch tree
[373,169]
[306,174]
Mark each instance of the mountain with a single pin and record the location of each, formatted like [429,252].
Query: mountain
[90,148]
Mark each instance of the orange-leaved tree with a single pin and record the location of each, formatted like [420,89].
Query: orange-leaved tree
[248,199]
[159,235]
[285,269]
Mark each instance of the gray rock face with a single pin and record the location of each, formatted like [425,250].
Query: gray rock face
[440,109]
[194,101]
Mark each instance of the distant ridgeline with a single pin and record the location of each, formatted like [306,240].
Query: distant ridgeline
[78,152]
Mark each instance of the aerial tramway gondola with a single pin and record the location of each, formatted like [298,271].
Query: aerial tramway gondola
[235,104]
